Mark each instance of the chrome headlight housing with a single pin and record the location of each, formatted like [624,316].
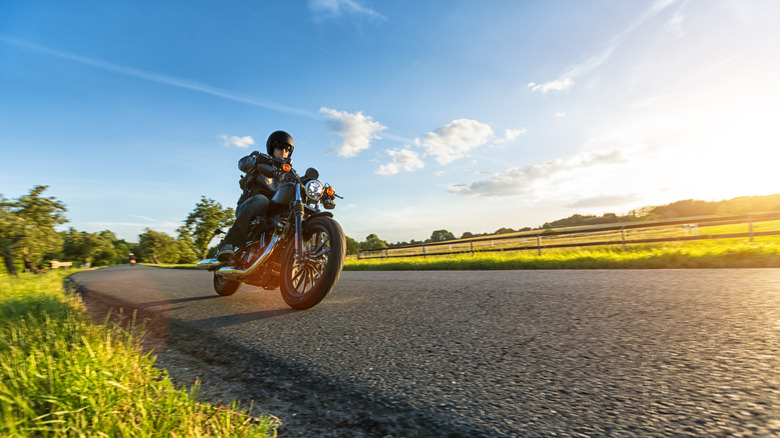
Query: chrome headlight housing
[314,190]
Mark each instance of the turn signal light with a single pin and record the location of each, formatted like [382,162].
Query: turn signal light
[330,191]
[286,167]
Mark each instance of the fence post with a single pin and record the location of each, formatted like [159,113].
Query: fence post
[424,251]
[386,253]
[750,227]
[539,242]
[358,254]
[623,235]
[472,248]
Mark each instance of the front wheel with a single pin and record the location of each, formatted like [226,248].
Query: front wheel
[225,287]
[308,280]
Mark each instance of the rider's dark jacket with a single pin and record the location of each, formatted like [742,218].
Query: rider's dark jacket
[256,181]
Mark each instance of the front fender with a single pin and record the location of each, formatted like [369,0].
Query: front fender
[318,214]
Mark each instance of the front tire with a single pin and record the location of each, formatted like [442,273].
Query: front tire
[225,287]
[306,282]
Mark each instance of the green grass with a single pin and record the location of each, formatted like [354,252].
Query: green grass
[721,254]
[62,375]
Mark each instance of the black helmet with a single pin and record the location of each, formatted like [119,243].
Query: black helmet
[279,138]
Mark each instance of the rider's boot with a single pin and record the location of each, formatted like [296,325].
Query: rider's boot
[226,252]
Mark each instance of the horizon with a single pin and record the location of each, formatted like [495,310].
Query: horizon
[65,227]
[442,115]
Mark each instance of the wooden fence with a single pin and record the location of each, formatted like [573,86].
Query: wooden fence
[747,226]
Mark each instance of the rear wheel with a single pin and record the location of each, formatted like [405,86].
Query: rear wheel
[308,280]
[225,287]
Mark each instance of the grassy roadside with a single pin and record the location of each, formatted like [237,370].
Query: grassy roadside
[62,375]
[689,255]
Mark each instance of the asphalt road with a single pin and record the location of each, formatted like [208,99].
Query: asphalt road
[487,353]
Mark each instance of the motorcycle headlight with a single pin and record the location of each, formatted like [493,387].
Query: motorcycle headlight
[314,190]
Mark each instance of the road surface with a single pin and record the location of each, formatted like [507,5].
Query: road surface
[484,353]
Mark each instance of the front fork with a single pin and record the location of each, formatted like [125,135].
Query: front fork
[298,213]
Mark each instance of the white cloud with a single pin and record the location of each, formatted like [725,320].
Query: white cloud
[560,114]
[517,181]
[403,159]
[450,142]
[242,142]
[332,9]
[511,135]
[357,130]
[556,85]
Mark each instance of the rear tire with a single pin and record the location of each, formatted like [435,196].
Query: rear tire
[306,282]
[225,287]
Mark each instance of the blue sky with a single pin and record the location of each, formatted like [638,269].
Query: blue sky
[457,115]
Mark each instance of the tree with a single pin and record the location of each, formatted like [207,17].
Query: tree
[117,251]
[373,242]
[441,236]
[157,247]
[10,234]
[82,246]
[27,228]
[187,249]
[187,253]
[207,216]
[352,245]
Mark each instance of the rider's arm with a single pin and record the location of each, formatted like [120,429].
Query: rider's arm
[248,163]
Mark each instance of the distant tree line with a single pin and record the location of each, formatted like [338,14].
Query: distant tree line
[684,208]
[28,236]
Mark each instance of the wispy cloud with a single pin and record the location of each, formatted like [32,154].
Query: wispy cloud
[144,218]
[158,78]
[332,9]
[606,201]
[518,181]
[242,142]
[357,130]
[566,79]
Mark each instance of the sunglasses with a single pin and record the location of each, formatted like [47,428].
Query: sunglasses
[281,146]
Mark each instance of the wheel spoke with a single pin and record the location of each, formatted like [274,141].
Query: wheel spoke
[298,276]
[311,276]
[311,264]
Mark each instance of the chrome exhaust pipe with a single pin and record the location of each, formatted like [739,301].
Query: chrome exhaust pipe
[208,263]
[232,273]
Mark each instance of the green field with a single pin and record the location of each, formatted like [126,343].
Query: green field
[63,375]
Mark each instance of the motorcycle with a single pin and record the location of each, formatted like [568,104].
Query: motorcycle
[296,246]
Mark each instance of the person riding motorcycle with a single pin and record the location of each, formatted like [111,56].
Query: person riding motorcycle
[258,189]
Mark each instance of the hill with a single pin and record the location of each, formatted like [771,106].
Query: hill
[684,208]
